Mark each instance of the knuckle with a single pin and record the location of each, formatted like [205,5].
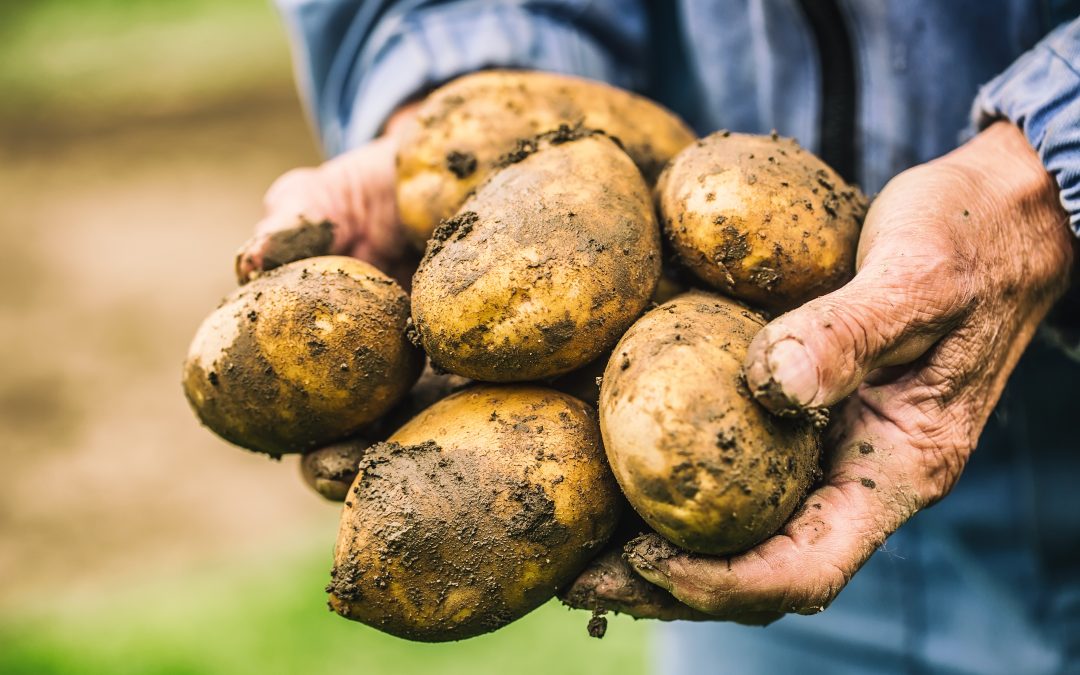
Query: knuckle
[847,328]
[813,597]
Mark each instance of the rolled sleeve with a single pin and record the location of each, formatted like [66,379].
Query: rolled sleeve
[393,52]
[1040,93]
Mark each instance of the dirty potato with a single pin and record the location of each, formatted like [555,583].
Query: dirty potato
[304,355]
[431,387]
[331,470]
[544,267]
[761,219]
[704,464]
[474,513]
[466,127]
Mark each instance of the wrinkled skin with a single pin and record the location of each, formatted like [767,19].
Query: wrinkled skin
[959,261]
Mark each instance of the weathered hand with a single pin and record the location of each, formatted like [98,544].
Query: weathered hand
[959,261]
[346,206]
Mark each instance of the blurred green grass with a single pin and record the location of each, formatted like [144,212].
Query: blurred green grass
[263,613]
[124,58]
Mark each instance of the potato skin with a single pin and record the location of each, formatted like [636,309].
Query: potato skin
[430,388]
[304,355]
[466,126]
[543,268]
[704,464]
[473,514]
[760,219]
[331,469]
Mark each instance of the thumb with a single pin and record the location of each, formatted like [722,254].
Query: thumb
[891,313]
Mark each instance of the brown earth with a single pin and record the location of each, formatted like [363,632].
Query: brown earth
[115,241]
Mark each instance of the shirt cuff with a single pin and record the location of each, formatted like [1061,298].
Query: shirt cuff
[1040,94]
[428,48]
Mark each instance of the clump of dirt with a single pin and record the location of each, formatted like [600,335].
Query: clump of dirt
[461,164]
[734,246]
[597,624]
[564,133]
[557,334]
[456,227]
[536,520]
[649,549]
[306,240]
[411,334]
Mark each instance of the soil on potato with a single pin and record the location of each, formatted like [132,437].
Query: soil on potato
[304,241]
[421,506]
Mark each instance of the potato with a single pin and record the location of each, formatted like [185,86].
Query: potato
[704,464]
[761,219]
[466,126]
[543,268]
[331,469]
[304,355]
[430,388]
[474,513]
[583,383]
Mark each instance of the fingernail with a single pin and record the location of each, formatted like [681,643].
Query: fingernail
[648,555]
[791,367]
[652,574]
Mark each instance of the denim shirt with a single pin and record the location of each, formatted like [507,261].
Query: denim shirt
[746,65]
[988,580]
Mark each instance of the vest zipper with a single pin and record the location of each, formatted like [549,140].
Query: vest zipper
[836,130]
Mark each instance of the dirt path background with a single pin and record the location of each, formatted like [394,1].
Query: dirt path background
[114,243]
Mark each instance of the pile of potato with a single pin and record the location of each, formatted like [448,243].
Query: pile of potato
[477,488]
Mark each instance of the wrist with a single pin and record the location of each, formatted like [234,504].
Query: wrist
[1009,178]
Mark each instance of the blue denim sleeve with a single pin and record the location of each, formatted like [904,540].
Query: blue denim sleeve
[356,61]
[1040,93]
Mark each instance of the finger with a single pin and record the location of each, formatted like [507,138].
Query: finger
[805,566]
[609,584]
[890,313]
[277,246]
[346,206]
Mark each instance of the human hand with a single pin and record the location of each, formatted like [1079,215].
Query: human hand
[346,206]
[959,261]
